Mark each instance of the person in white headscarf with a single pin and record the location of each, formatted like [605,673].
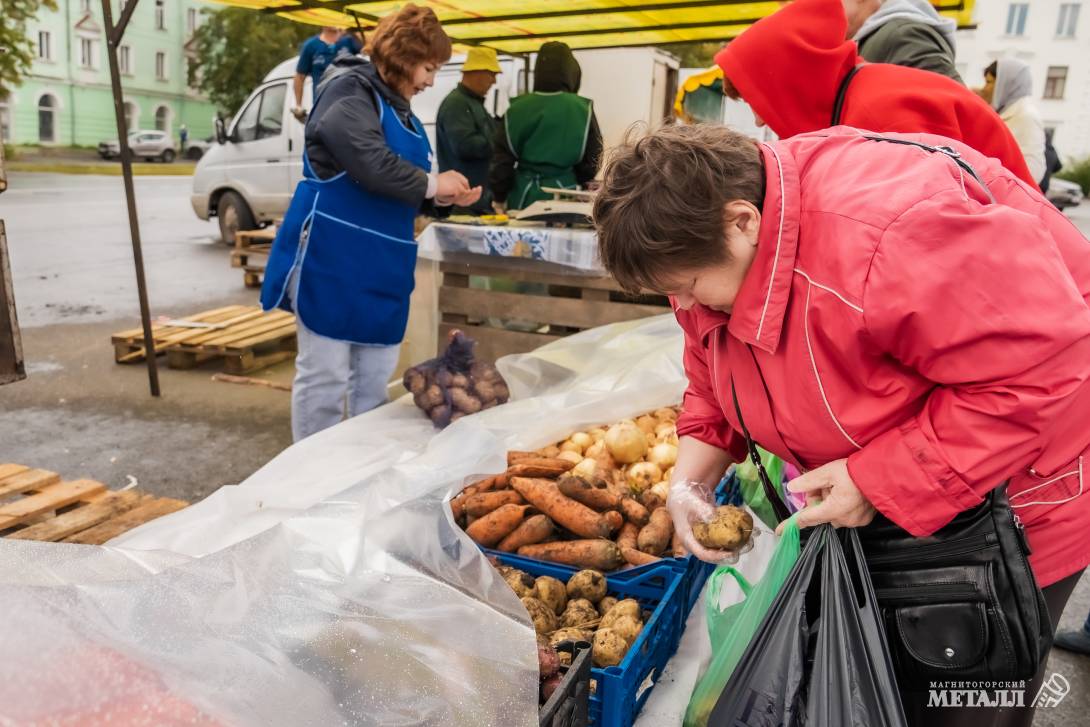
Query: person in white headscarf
[1008,87]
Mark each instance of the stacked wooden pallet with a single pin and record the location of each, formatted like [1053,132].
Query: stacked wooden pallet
[36,504]
[251,253]
[245,337]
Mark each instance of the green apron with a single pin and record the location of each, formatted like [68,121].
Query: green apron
[547,133]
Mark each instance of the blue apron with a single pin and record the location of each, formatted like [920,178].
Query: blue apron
[354,250]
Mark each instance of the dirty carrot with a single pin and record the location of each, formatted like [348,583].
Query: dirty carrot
[655,536]
[627,536]
[533,530]
[603,555]
[540,467]
[576,517]
[634,512]
[638,557]
[594,493]
[483,503]
[497,525]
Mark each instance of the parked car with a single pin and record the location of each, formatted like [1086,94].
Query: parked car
[1063,193]
[149,145]
[196,148]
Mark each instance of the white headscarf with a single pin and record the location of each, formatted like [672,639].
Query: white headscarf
[1012,82]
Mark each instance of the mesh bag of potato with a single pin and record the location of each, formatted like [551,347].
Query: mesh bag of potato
[454,385]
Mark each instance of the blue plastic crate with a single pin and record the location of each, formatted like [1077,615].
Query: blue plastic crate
[621,691]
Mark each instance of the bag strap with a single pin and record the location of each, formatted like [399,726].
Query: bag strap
[841,92]
[779,509]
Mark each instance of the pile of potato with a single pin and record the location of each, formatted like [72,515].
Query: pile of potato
[453,385]
[579,610]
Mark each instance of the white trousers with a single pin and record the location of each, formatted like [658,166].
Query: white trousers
[331,375]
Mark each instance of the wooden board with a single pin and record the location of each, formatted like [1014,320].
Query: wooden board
[76,511]
[12,367]
[244,337]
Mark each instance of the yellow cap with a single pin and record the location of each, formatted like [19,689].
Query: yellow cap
[481,59]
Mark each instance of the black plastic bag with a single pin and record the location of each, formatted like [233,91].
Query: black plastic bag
[454,384]
[820,656]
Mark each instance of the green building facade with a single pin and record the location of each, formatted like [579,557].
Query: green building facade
[66,100]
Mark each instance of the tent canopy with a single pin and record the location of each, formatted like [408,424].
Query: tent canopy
[521,26]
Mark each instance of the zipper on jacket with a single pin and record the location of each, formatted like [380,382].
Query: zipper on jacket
[927,593]
[1020,528]
[934,551]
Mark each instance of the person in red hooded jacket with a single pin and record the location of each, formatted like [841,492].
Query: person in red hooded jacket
[790,66]
[908,331]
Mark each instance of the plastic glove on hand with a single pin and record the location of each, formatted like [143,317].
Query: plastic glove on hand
[692,502]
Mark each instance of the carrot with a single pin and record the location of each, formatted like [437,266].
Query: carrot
[497,525]
[634,512]
[638,557]
[595,494]
[655,536]
[676,547]
[651,501]
[603,555]
[514,456]
[483,503]
[628,535]
[546,497]
[615,520]
[551,451]
[533,530]
[495,482]
[458,505]
[540,467]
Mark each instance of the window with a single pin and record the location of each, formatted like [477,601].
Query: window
[132,112]
[190,20]
[263,117]
[85,6]
[161,66]
[1016,18]
[124,59]
[160,15]
[87,52]
[1069,18]
[162,118]
[45,45]
[46,106]
[1055,82]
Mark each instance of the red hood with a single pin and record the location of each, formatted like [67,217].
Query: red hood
[789,65]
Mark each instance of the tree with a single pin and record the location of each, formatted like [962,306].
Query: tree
[16,49]
[235,48]
[696,54]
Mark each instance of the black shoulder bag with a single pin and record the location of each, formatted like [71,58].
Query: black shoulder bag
[960,604]
[841,92]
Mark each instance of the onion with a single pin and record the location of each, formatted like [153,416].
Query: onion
[666,414]
[664,455]
[597,434]
[582,439]
[664,430]
[642,475]
[595,449]
[661,489]
[626,443]
[570,446]
[647,423]
[586,469]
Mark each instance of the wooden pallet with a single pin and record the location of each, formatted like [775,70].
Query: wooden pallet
[36,504]
[561,305]
[243,336]
[251,253]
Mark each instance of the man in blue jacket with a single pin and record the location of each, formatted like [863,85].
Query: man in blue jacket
[315,55]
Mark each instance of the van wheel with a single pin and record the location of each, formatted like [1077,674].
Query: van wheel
[167,156]
[234,215]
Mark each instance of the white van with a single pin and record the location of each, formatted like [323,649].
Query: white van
[247,179]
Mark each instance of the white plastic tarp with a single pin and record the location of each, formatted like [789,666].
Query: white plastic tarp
[329,588]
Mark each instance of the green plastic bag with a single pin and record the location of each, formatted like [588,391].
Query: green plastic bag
[732,628]
[753,492]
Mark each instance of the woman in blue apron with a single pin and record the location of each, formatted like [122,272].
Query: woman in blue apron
[344,257]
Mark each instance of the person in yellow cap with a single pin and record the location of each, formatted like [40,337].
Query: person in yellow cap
[464,128]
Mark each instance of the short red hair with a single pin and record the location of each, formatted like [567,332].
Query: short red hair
[406,39]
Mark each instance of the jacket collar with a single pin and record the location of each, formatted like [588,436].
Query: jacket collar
[468,93]
[758,311]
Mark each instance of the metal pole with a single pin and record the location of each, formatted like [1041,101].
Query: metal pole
[112,40]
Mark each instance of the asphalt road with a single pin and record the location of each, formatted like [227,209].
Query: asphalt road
[82,415]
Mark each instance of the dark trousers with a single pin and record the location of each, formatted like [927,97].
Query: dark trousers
[915,703]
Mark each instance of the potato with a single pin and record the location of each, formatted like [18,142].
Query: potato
[551,592]
[626,442]
[569,634]
[459,380]
[627,628]
[463,401]
[731,528]
[440,414]
[629,608]
[579,613]
[431,397]
[548,663]
[609,648]
[414,381]
[570,456]
[543,616]
[642,475]
[605,604]
[549,685]
[520,582]
[588,584]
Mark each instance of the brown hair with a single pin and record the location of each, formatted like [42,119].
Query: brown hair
[660,207]
[406,39]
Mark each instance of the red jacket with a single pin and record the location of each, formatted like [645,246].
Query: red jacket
[940,343]
[789,65]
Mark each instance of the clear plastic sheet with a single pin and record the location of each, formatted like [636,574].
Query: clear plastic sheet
[329,588]
[573,247]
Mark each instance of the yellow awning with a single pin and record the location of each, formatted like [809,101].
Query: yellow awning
[520,26]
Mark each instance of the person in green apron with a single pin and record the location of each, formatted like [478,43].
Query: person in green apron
[548,138]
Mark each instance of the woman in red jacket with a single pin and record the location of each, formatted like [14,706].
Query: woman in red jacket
[891,329]
[790,66]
